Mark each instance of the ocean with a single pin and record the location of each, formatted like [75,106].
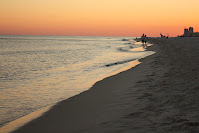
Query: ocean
[38,71]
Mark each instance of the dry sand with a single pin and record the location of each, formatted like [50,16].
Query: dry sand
[158,96]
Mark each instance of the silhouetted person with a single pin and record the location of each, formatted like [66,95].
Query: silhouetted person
[161,35]
[142,38]
[145,40]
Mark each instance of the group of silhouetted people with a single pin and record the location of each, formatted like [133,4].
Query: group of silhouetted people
[144,40]
[162,36]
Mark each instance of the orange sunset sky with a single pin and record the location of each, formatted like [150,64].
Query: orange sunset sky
[98,17]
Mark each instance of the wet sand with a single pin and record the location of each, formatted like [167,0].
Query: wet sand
[159,95]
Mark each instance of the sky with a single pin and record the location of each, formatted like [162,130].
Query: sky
[98,17]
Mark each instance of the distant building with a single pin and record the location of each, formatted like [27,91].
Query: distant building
[190,33]
[190,29]
[186,32]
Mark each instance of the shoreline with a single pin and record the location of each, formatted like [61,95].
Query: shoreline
[20,122]
[158,95]
[94,94]
[13,125]
[42,83]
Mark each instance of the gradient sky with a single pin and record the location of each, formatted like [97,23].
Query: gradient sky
[98,17]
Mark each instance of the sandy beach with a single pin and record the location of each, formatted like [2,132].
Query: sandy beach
[157,96]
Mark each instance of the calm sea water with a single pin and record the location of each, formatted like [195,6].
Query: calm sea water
[37,71]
